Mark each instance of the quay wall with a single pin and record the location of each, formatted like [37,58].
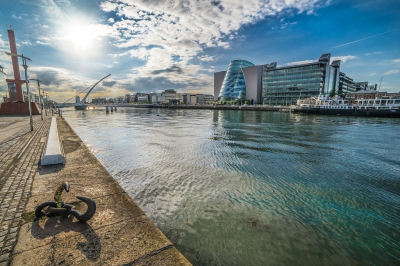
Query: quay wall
[119,233]
[210,107]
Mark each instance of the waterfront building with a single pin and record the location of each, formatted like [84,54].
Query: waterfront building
[240,82]
[204,98]
[346,84]
[363,85]
[99,100]
[154,97]
[129,98]
[285,85]
[142,98]
[186,98]
[170,96]
[119,99]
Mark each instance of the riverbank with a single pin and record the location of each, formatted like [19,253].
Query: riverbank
[118,234]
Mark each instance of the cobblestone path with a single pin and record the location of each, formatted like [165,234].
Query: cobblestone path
[19,158]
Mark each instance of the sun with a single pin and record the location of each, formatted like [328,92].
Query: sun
[82,37]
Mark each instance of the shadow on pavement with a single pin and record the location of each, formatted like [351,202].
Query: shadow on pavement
[56,225]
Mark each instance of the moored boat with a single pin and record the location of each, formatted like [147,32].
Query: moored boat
[382,106]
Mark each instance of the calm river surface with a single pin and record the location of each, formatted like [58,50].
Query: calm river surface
[320,190]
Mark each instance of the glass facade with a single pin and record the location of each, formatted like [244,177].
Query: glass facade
[346,84]
[284,86]
[234,85]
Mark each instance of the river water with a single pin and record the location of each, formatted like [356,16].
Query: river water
[257,188]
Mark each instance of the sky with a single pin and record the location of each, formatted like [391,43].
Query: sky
[152,45]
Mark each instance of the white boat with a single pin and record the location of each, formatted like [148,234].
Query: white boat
[383,106]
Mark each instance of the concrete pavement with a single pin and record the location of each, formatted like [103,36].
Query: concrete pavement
[118,234]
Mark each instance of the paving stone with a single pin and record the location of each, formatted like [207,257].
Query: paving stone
[64,240]
[4,257]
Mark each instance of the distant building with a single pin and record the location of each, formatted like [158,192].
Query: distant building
[361,86]
[346,84]
[142,98]
[186,98]
[204,98]
[170,97]
[119,99]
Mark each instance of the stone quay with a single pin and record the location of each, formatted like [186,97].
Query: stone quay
[119,233]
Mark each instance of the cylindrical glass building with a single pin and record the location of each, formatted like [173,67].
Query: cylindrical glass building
[234,85]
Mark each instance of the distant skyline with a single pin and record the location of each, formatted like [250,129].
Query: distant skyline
[150,46]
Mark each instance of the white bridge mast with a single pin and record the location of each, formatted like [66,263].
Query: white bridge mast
[82,102]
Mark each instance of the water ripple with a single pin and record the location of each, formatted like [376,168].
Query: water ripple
[320,190]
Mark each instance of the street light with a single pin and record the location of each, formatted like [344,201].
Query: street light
[40,99]
[24,58]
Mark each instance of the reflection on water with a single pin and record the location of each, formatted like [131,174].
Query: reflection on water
[325,189]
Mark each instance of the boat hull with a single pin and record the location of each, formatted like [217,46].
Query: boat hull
[80,107]
[395,113]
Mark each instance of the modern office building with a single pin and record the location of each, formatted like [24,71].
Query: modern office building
[241,81]
[284,85]
[346,84]
[142,97]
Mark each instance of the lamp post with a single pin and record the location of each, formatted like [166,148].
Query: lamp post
[40,98]
[24,58]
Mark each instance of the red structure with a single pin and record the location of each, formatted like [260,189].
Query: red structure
[19,107]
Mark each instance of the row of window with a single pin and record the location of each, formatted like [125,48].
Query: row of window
[294,75]
[294,69]
[293,90]
[280,81]
[304,85]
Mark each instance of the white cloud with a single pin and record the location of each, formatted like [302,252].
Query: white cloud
[206,58]
[288,24]
[396,60]
[186,27]
[16,17]
[3,44]
[43,43]
[392,72]
[374,53]
[27,43]
[372,74]
[343,58]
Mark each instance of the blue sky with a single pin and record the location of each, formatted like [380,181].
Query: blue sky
[151,45]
